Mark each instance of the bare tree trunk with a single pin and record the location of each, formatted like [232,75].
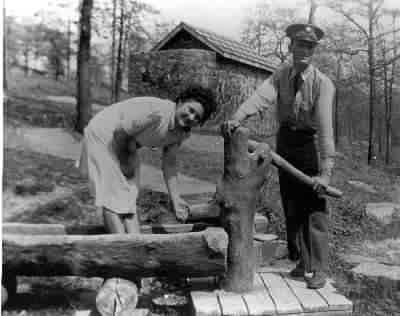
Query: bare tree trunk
[26,59]
[311,14]
[125,48]
[341,119]
[349,128]
[336,114]
[84,107]
[379,135]
[387,107]
[114,23]
[372,91]
[118,75]
[4,52]
[69,50]
[395,13]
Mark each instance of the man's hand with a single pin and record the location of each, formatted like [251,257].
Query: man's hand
[228,127]
[320,184]
[181,209]
[263,151]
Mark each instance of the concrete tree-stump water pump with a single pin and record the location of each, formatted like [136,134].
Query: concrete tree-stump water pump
[237,193]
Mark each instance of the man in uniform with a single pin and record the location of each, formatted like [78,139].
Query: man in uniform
[304,98]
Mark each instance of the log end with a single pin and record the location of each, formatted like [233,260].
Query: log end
[117,297]
[8,286]
[4,296]
[217,241]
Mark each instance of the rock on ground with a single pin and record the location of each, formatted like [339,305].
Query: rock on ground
[383,211]
[363,186]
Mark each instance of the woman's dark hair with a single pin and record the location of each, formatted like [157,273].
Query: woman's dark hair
[204,96]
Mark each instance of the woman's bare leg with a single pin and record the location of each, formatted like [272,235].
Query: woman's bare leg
[113,222]
[131,224]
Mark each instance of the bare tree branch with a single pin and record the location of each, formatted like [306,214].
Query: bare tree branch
[376,10]
[382,63]
[358,25]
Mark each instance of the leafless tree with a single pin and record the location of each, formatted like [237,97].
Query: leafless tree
[364,15]
[113,39]
[311,13]
[4,52]
[84,107]
[389,74]
[264,30]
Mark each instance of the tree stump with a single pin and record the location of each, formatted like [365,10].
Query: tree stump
[237,193]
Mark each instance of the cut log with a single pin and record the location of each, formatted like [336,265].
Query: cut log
[33,229]
[117,297]
[125,256]
[59,229]
[237,193]
[4,295]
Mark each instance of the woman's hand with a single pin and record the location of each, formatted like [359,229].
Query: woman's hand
[128,167]
[181,209]
[125,148]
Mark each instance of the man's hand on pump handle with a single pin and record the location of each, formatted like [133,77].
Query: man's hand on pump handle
[228,127]
[264,150]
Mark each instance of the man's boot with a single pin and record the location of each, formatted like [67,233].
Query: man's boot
[298,271]
[317,281]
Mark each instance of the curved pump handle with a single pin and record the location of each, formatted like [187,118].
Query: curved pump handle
[283,164]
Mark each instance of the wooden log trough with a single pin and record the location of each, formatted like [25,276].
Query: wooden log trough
[130,255]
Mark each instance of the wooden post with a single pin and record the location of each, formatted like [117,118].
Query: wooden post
[244,174]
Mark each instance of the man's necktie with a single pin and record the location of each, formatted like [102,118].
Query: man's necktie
[298,80]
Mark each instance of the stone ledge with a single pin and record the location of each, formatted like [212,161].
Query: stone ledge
[383,211]
[363,186]
[374,278]
[378,271]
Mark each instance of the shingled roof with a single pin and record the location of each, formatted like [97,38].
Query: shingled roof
[222,45]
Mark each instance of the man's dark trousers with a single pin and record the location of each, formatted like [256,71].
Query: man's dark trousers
[306,213]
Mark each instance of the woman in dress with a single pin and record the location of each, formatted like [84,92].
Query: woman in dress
[110,146]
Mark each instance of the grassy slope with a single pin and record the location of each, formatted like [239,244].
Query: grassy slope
[27,106]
